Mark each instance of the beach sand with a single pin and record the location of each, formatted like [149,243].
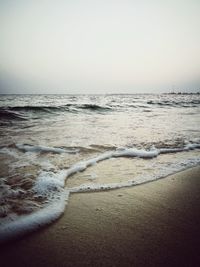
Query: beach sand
[154,224]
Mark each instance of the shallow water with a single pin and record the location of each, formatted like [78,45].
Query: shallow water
[52,145]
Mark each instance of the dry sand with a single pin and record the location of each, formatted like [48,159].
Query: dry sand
[155,224]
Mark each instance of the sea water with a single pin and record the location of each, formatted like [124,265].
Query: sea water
[55,145]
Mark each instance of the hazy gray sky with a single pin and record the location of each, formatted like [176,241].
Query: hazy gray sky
[98,46]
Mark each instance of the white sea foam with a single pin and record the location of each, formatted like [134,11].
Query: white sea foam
[27,224]
[32,148]
[48,182]
[122,152]
[131,152]
[163,172]
[185,148]
[51,185]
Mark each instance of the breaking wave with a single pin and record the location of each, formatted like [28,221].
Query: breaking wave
[20,112]
[10,115]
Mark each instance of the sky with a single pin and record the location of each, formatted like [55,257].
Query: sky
[99,46]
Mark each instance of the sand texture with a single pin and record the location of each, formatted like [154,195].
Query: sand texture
[154,224]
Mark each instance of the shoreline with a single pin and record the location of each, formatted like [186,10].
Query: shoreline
[154,224]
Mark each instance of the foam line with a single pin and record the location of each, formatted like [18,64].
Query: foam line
[51,185]
[174,150]
[32,222]
[130,152]
[31,148]
[94,187]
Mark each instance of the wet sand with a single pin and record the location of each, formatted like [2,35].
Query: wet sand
[155,224]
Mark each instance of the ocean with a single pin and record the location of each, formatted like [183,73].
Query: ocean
[53,146]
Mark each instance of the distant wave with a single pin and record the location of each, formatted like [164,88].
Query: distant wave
[10,115]
[192,103]
[33,108]
[14,112]
[94,107]
[19,112]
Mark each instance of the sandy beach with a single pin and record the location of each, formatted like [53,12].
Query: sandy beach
[100,134]
[155,224]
